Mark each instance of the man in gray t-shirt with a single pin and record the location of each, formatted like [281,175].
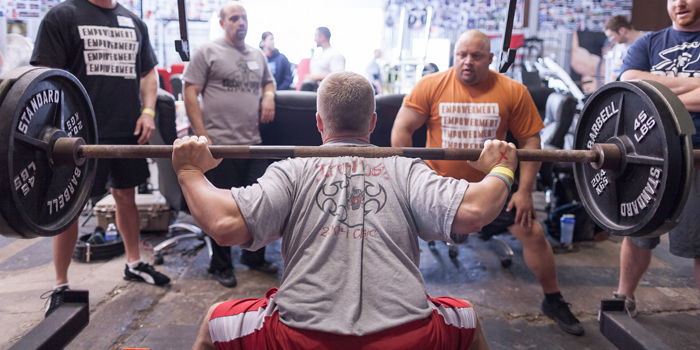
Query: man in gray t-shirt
[230,75]
[350,229]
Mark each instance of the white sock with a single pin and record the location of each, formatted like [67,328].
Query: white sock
[134,263]
[67,285]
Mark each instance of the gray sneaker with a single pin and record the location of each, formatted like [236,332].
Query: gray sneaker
[630,304]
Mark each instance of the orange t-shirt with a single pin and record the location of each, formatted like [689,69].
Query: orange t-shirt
[464,116]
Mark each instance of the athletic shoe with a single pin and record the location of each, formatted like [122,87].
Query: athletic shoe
[225,278]
[630,304]
[560,312]
[145,273]
[55,300]
[266,266]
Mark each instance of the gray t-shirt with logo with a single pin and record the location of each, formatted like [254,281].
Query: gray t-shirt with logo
[232,78]
[350,227]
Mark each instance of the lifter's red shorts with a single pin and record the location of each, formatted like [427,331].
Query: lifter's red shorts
[254,324]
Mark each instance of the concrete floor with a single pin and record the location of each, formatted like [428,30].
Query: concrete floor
[129,314]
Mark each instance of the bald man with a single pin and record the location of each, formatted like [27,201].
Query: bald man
[466,106]
[234,74]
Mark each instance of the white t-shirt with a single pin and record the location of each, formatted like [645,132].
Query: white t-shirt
[328,61]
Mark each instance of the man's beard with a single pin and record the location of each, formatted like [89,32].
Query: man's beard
[688,20]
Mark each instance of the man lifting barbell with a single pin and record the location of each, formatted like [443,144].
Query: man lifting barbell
[350,228]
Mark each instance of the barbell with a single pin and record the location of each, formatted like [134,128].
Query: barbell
[633,154]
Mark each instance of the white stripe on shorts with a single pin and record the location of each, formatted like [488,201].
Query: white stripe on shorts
[463,317]
[224,329]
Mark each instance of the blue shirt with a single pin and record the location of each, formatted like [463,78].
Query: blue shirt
[668,52]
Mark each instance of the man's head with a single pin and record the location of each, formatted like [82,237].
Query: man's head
[472,57]
[233,18]
[345,106]
[617,29]
[685,14]
[377,53]
[322,36]
[268,41]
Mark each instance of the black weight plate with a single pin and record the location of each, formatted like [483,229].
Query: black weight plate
[40,199]
[645,195]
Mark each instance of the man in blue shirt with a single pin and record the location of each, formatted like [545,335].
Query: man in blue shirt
[672,57]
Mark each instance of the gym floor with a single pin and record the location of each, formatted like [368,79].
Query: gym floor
[129,314]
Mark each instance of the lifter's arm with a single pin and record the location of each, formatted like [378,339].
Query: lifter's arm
[484,200]
[214,209]
[406,123]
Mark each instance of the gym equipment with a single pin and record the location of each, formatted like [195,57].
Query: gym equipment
[633,154]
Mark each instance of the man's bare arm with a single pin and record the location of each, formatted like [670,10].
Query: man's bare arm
[522,199]
[691,100]
[215,210]
[267,105]
[145,125]
[406,123]
[315,77]
[194,111]
[679,85]
[484,200]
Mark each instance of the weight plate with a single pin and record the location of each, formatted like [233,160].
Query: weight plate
[645,195]
[39,198]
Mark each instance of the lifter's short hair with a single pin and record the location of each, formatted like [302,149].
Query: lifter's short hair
[346,104]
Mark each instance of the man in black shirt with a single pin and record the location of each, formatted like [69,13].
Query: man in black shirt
[107,48]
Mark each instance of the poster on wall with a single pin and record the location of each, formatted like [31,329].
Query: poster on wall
[580,15]
[22,9]
[486,15]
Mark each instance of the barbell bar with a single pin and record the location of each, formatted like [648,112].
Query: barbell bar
[632,154]
[73,151]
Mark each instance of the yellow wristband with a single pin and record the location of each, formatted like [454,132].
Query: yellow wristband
[149,111]
[270,93]
[503,170]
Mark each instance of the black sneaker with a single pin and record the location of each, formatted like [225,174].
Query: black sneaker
[55,299]
[225,278]
[145,273]
[265,267]
[559,311]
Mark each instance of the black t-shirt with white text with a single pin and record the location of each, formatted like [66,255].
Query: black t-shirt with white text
[107,50]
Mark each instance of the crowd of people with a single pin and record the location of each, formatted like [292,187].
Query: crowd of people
[230,88]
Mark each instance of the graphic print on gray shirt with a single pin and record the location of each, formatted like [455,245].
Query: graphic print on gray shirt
[232,78]
[350,227]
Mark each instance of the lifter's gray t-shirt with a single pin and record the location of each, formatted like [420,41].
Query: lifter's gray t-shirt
[350,227]
[232,78]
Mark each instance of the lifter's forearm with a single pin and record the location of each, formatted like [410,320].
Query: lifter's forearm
[215,210]
[482,203]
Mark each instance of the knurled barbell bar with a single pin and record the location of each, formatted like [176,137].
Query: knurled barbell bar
[632,159]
